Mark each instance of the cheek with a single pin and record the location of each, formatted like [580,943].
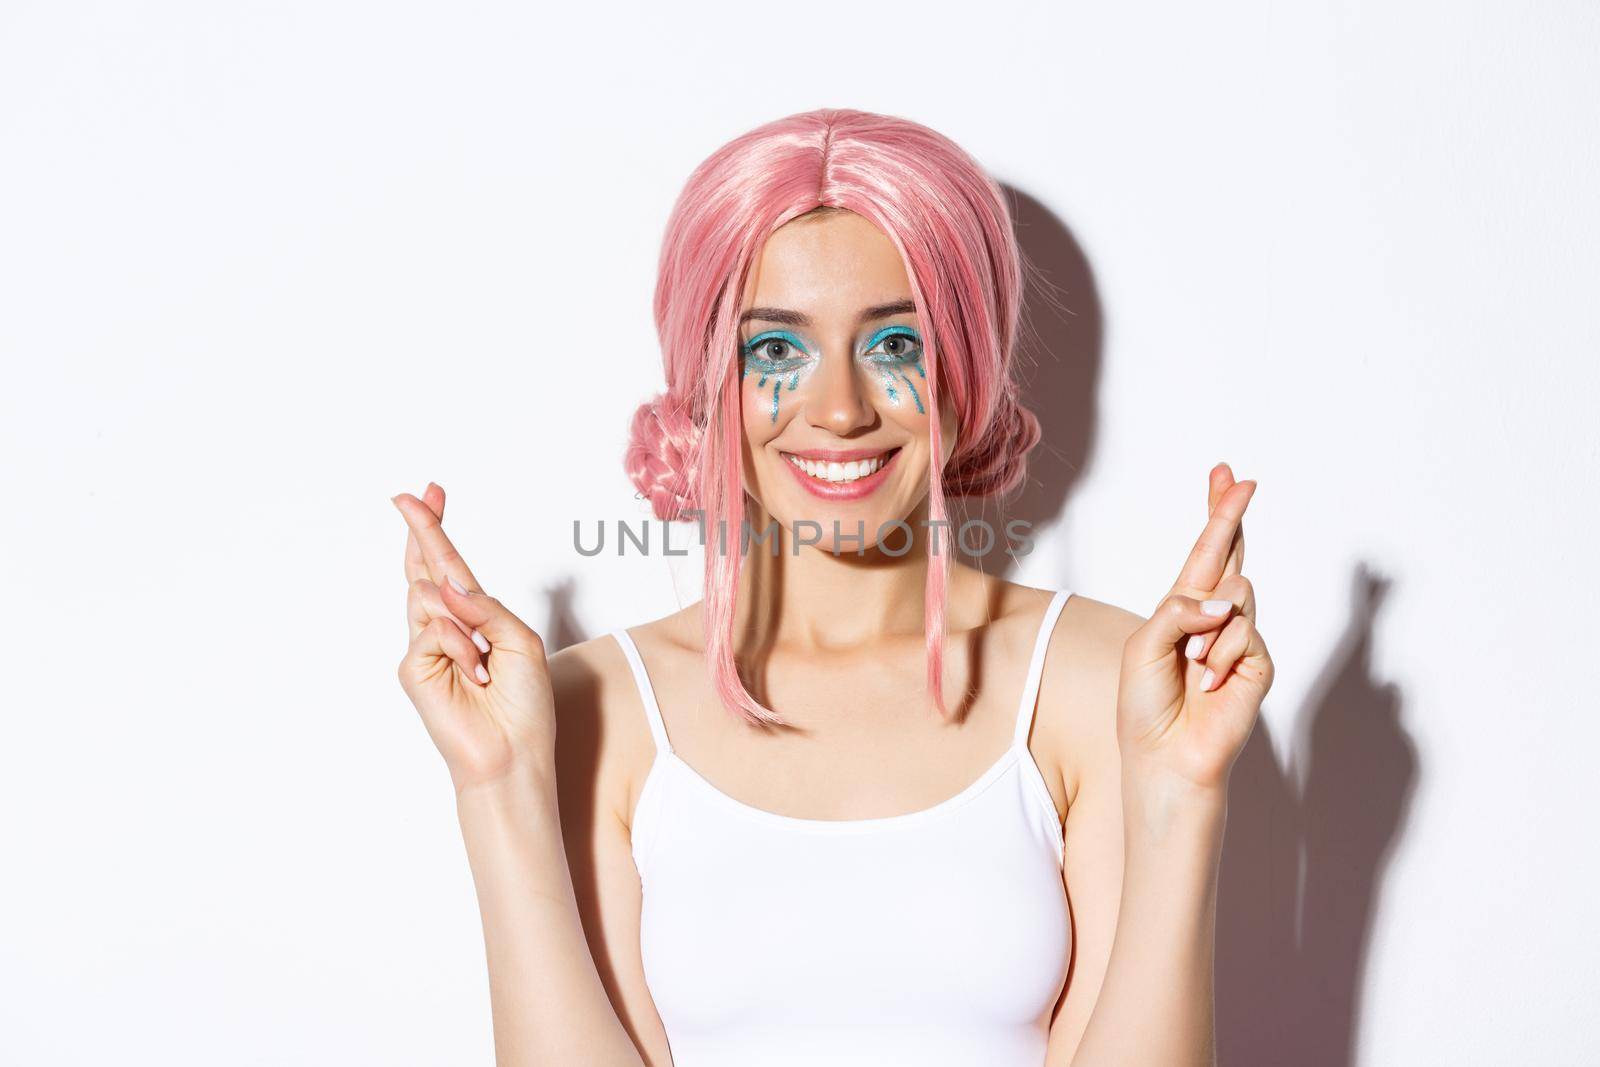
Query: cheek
[903,387]
[898,390]
[900,393]
[766,396]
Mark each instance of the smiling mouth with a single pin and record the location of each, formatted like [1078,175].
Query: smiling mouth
[840,473]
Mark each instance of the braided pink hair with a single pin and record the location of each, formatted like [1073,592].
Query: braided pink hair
[952,227]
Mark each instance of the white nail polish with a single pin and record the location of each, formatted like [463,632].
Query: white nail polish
[1216,607]
[1196,645]
[481,641]
[458,587]
[1207,680]
[483,675]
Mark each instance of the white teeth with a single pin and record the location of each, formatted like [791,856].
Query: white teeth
[839,472]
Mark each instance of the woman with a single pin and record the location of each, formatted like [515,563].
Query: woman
[772,828]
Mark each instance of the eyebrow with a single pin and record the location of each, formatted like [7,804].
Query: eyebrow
[795,318]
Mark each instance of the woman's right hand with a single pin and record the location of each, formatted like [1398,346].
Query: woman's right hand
[476,672]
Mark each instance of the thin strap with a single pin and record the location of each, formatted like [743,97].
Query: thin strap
[647,694]
[1041,644]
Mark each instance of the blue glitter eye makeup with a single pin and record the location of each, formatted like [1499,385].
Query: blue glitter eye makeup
[899,344]
[774,352]
[774,355]
[901,353]
[777,358]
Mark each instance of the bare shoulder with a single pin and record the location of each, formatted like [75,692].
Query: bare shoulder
[1079,684]
[603,743]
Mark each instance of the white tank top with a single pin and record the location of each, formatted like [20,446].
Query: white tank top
[936,938]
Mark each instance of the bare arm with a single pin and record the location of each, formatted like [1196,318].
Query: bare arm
[1155,1002]
[1145,833]
[546,997]
[1144,888]
[1093,852]
[478,676]
[603,750]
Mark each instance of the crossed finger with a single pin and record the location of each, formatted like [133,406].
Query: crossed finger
[416,566]
[439,556]
[1221,481]
[1210,556]
[417,572]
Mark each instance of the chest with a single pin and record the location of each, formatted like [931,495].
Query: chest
[860,744]
[953,918]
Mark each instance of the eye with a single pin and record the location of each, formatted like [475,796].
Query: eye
[775,351]
[895,344]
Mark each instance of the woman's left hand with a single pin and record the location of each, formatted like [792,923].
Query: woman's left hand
[1192,681]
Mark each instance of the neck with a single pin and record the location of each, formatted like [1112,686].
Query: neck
[807,596]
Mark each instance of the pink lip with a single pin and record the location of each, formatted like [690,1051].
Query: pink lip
[843,490]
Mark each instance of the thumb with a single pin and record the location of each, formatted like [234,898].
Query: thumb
[504,631]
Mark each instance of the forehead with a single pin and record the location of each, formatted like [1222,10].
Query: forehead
[835,261]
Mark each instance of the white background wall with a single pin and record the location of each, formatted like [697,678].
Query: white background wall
[265,265]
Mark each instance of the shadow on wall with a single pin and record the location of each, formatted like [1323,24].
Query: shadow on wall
[1058,357]
[561,627]
[1306,849]
[1304,858]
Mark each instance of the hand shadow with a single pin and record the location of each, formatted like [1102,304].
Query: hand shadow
[1302,866]
[1305,849]
[562,628]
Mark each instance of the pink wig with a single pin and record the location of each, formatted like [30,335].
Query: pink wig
[952,227]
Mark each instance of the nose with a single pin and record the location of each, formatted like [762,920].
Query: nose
[838,401]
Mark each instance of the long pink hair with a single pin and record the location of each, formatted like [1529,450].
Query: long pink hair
[952,227]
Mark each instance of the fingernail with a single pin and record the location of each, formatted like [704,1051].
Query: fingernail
[1216,607]
[1196,645]
[481,641]
[483,675]
[1207,680]
[458,587]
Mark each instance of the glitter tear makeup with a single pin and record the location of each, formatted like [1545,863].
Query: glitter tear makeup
[771,355]
[892,365]
[765,367]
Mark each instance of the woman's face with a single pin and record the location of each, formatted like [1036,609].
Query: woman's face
[834,384]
